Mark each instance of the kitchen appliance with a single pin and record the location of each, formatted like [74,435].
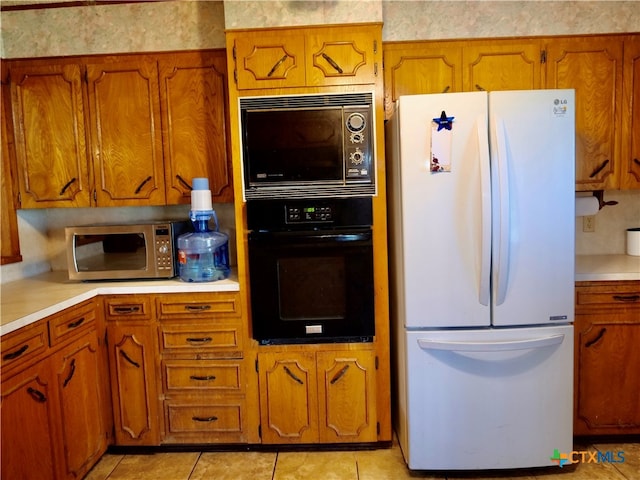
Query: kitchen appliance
[123,251]
[311,270]
[203,255]
[482,272]
[302,146]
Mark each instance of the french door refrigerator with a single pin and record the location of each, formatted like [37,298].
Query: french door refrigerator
[481,212]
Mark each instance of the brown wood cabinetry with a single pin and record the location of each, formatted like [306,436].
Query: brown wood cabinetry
[324,396]
[195,118]
[607,359]
[593,67]
[54,409]
[305,57]
[205,383]
[630,164]
[132,345]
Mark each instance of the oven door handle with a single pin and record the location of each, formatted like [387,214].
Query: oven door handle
[284,238]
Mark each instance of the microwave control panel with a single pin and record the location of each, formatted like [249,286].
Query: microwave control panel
[164,256]
[309,214]
[358,141]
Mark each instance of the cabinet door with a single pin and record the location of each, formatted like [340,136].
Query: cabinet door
[607,384]
[77,371]
[503,65]
[593,67]
[347,396]
[269,59]
[195,124]
[416,68]
[288,397]
[28,416]
[124,107]
[631,120]
[342,56]
[132,356]
[50,141]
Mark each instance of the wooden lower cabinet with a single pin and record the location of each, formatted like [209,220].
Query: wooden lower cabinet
[323,396]
[131,339]
[607,335]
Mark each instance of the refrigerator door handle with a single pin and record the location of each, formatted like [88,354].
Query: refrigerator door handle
[485,192]
[503,225]
[500,346]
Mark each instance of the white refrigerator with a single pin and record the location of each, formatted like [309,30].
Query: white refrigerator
[481,220]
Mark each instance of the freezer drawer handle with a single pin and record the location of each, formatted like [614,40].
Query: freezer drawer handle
[491,346]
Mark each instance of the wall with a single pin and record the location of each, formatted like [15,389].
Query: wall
[189,25]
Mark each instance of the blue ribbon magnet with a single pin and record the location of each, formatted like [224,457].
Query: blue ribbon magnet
[441,144]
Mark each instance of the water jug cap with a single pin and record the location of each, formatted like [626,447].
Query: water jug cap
[200,184]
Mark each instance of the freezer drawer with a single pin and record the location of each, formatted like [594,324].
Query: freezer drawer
[487,399]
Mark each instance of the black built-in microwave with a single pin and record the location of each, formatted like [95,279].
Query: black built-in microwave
[302,146]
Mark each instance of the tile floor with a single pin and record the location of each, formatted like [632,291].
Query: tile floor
[383,464]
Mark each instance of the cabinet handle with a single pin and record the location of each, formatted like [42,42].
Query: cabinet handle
[124,355]
[203,377]
[626,298]
[197,308]
[276,65]
[636,161]
[446,89]
[332,62]
[199,340]
[339,375]
[184,182]
[478,87]
[599,169]
[126,309]
[67,185]
[73,370]
[204,419]
[37,395]
[597,339]
[17,353]
[142,185]
[76,324]
[292,375]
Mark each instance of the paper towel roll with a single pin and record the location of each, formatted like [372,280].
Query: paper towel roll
[633,241]
[587,206]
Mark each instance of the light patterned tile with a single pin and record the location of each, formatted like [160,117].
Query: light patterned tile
[387,464]
[235,466]
[104,467]
[157,466]
[630,452]
[316,465]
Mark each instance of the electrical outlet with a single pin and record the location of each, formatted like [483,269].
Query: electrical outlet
[589,223]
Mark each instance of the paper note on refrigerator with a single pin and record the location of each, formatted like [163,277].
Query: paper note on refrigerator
[440,149]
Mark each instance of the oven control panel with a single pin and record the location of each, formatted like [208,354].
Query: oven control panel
[304,214]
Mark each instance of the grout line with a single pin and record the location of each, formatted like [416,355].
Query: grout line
[195,464]
[275,464]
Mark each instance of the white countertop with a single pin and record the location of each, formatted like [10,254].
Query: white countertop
[31,299]
[594,268]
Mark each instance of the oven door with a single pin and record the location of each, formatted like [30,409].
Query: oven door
[312,286]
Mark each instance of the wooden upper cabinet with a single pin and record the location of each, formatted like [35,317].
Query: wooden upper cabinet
[51,152]
[340,56]
[630,165]
[419,67]
[593,67]
[269,59]
[126,136]
[305,57]
[195,118]
[503,65]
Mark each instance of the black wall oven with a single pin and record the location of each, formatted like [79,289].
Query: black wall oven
[311,270]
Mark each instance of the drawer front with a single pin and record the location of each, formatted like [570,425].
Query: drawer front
[193,339]
[127,307]
[23,345]
[204,418]
[615,295]
[202,376]
[216,305]
[72,322]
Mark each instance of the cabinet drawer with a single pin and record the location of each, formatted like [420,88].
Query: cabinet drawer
[193,338]
[217,305]
[73,321]
[23,345]
[202,376]
[613,295]
[127,307]
[204,417]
